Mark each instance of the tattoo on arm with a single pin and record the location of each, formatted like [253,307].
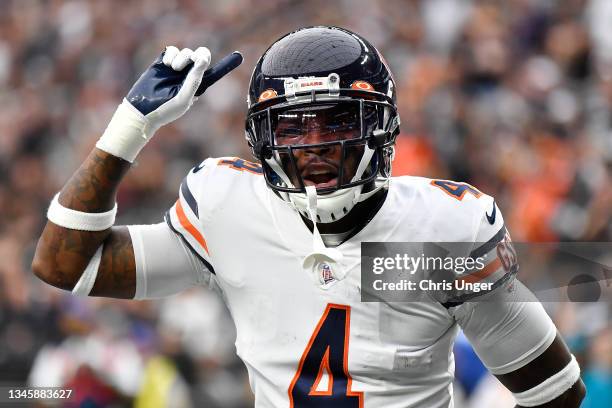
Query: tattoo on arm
[93,187]
[117,272]
[62,254]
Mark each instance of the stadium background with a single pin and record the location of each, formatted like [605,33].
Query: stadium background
[514,97]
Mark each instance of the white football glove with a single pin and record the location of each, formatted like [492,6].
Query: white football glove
[162,94]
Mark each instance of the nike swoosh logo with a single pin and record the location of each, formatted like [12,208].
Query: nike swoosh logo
[491,218]
[198,168]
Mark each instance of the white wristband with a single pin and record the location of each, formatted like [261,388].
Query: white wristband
[550,388]
[88,278]
[77,220]
[127,133]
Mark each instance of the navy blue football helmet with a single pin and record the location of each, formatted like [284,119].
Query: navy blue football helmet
[322,112]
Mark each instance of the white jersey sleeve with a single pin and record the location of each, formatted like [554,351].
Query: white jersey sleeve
[507,326]
[211,191]
[491,247]
[506,331]
[164,264]
[176,255]
[188,216]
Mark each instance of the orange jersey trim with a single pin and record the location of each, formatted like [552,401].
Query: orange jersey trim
[182,217]
[484,272]
[454,185]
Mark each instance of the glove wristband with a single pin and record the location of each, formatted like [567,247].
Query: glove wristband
[126,134]
[78,220]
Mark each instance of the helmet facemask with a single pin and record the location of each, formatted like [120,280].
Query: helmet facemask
[337,144]
[322,112]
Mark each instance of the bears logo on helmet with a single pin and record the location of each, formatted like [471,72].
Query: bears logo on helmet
[267,94]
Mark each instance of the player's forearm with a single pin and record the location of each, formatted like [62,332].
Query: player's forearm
[62,254]
[93,187]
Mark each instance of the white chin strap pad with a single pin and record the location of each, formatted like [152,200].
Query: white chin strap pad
[330,207]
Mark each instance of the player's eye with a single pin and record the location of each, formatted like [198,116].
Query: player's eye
[342,130]
[342,127]
[289,132]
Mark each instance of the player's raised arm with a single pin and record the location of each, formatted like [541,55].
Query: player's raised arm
[80,249]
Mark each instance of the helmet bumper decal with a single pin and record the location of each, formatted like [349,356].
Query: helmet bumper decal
[301,85]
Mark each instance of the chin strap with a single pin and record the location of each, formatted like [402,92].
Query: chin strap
[365,196]
[363,163]
[321,258]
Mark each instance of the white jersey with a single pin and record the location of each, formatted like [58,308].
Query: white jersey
[305,346]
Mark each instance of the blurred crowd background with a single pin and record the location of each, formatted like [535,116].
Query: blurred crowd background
[514,97]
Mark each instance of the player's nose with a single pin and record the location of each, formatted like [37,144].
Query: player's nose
[314,137]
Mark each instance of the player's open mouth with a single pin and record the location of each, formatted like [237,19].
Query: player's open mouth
[320,175]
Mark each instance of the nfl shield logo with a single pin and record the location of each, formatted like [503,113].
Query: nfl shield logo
[326,273]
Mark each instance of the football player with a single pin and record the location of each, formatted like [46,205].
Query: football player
[280,239]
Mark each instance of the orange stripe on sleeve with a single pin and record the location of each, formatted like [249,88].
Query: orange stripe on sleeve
[484,272]
[189,227]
